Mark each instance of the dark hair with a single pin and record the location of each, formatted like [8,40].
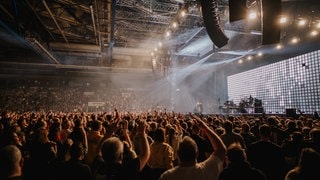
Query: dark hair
[228,126]
[109,117]
[159,135]
[265,130]
[96,124]
[76,150]
[235,153]
[187,150]
[78,122]
[308,161]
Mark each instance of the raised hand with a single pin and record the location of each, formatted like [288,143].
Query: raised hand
[142,125]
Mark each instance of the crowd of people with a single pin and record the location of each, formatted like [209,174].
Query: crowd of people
[47,131]
[157,145]
[70,96]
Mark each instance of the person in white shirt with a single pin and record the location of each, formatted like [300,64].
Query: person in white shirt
[188,167]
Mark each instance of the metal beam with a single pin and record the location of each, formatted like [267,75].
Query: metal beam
[93,23]
[39,19]
[39,45]
[75,47]
[55,21]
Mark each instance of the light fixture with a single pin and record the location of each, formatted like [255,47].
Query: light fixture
[252,15]
[168,33]
[314,33]
[283,20]
[279,46]
[294,40]
[183,13]
[174,25]
[302,22]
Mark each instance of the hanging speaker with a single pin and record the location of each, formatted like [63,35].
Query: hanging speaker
[212,22]
[237,10]
[271,12]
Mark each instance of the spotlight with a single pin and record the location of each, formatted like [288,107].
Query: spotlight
[252,15]
[302,22]
[294,40]
[174,25]
[279,46]
[168,34]
[283,20]
[314,33]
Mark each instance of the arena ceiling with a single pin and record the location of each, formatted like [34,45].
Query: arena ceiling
[47,28]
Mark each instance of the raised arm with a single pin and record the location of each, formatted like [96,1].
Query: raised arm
[143,146]
[113,126]
[216,142]
[126,133]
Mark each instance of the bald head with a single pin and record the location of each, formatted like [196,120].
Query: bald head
[112,150]
[10,158]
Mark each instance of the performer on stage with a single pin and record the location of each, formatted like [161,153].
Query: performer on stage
[199,108]
[250,101]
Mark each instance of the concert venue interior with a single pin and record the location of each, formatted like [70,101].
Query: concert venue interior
[143,55]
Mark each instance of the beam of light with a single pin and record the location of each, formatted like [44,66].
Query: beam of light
[165,88]
[19,39]
[201,45]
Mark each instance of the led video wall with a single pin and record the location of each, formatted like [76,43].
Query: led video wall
[290,84]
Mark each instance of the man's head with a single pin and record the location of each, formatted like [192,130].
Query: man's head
[159,135]
[188,150]
[11,161]
[112,150]
[228,126]
[265,131]
[235,153]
